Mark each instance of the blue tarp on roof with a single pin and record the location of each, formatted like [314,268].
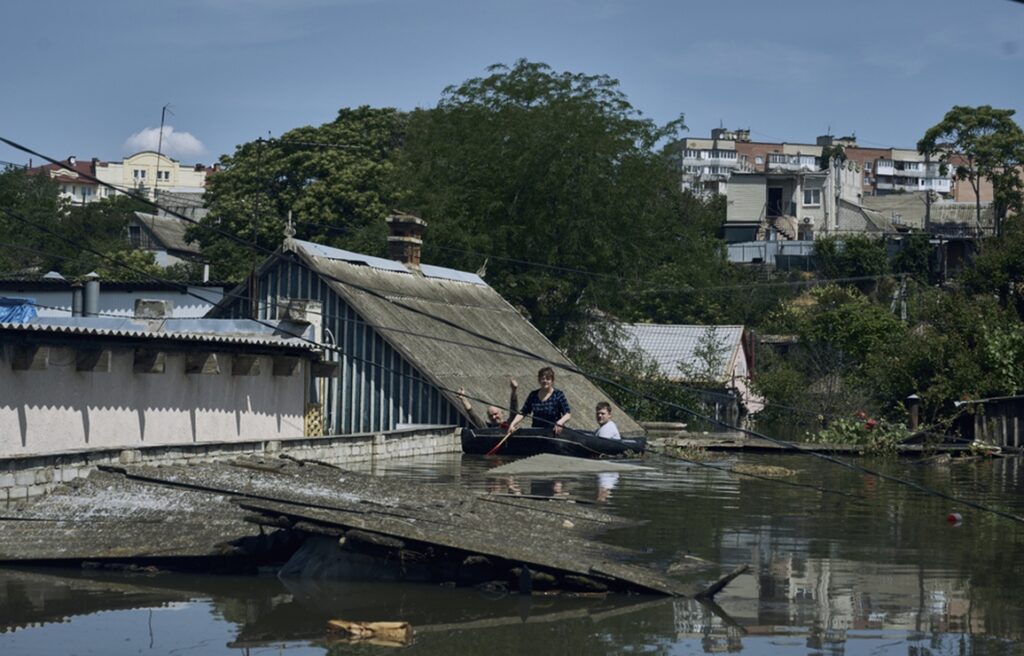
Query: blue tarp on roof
[17,310]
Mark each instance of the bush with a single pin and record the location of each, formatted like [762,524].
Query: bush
[876,436]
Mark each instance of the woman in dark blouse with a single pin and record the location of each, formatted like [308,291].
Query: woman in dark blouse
[547,405]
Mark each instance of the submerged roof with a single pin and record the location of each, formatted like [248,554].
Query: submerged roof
[676,348]
[426,314]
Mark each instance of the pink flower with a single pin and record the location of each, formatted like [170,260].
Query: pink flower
[870,423]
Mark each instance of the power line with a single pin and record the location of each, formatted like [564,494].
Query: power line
[412,333]
[576,370]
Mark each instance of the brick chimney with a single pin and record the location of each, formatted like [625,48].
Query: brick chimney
[405,238]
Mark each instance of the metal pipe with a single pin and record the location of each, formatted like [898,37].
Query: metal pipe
[76,299]
[91,301]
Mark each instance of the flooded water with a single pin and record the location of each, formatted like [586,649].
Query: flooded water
[840,563]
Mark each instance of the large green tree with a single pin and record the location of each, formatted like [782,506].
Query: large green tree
[336,179]
[979,143]
[999,267]
[556,169]
[26,200]
[43,232]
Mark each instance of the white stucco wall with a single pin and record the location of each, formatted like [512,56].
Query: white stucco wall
[61,409]
[121,174]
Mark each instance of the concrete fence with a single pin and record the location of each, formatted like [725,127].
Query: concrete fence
[22,477]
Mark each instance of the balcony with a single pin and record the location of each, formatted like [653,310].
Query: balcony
[710,161]
[884,167]
[778,162]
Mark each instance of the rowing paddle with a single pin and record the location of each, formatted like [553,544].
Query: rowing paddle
[498,445]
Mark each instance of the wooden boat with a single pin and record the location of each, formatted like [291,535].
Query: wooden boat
[531,441]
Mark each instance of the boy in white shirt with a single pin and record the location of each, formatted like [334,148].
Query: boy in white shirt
[606,427]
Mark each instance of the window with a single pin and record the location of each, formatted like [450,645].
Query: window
[139,174]
[867,166]
[758,160]
[812,196]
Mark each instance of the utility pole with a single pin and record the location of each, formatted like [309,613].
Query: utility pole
[160,147]
[927,193]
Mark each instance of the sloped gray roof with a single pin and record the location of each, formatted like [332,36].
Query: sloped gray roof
[168,231]
[855,218]
[673,347]
[911,209]
[421,313]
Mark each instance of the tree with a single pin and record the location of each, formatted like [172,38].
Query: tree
[833,152]
[914,257]
[839,333]
[980,142]
[853,256]
[25,200]
[999,267]
[336,179]
[555,168]
[43,232]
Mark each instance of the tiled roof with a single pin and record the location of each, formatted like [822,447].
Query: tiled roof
[83,168]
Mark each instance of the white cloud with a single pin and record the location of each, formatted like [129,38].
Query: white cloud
[175,144]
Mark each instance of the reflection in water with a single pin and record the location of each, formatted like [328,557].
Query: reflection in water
[879,574]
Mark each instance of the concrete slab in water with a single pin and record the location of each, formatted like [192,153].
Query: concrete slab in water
[548,463]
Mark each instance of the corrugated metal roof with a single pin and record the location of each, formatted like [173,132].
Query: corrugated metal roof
[673,347]
[431,271]
[429,312]
[331,253]
[428,270]
[215,331]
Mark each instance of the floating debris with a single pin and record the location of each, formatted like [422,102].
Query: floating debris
[385,634]
[770,471]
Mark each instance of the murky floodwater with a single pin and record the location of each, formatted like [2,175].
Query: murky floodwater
[841,563]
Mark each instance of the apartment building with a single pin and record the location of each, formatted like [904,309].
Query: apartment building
[708,164]
[705,165]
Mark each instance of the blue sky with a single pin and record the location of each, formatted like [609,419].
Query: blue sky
[89,78]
